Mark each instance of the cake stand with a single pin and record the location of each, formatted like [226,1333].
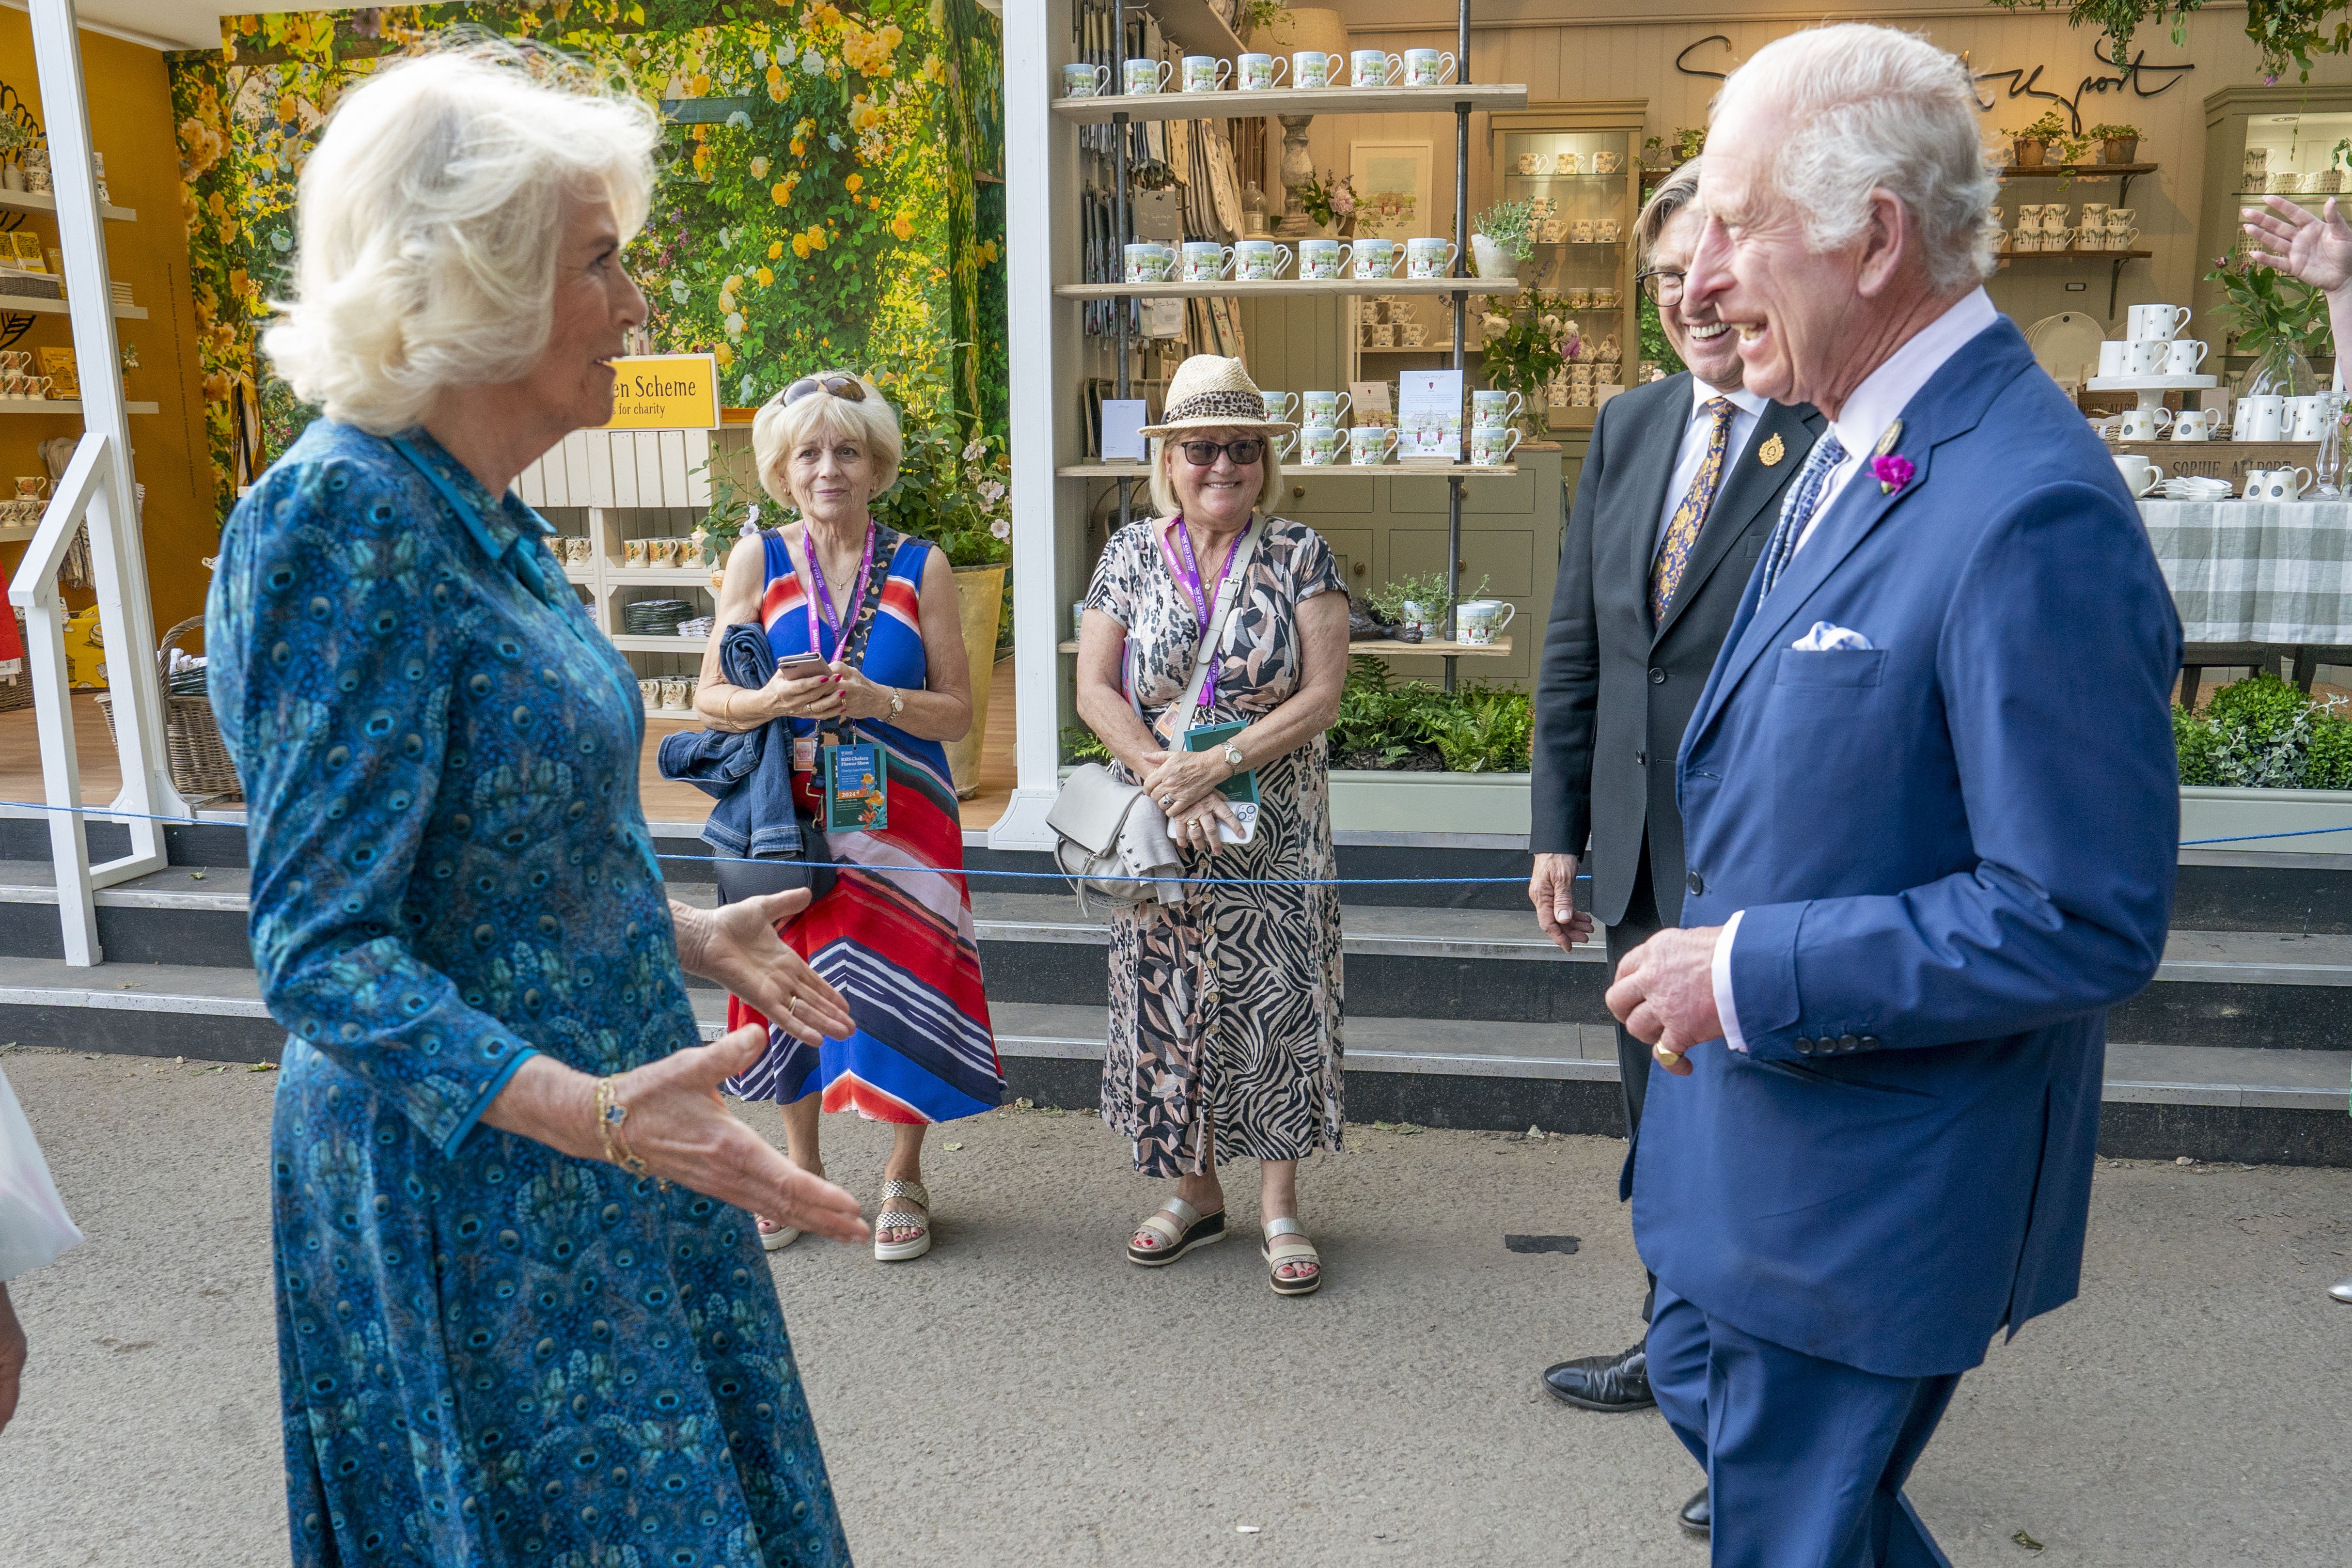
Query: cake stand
[2151,388]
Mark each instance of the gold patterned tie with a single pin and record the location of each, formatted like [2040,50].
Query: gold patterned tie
[1682,529]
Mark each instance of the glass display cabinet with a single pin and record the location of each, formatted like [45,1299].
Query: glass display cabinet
[1580,165]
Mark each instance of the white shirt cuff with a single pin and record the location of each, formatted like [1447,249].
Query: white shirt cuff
[1720,971]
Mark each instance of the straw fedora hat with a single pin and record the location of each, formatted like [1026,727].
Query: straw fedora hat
[1211,392]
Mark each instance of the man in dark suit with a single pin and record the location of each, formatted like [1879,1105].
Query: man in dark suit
[1678,494]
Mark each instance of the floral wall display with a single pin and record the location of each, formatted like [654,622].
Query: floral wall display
[830,189]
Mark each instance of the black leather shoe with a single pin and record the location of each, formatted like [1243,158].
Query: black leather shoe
[1619,1381]
[1696,1517]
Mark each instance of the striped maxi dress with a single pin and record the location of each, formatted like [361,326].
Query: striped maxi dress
[895,934]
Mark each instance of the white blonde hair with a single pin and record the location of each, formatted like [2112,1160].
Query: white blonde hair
[782,429]
[430,216]
[1165,456]
[1866,108]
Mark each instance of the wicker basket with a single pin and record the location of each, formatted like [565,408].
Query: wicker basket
[201,768]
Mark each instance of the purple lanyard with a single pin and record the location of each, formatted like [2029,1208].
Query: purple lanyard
[824,594]
[1188,574]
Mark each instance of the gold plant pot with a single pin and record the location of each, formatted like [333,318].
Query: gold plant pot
[980,605]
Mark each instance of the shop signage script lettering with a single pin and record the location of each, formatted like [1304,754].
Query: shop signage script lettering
[665,392]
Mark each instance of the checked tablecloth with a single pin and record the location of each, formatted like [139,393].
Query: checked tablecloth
[2257,572]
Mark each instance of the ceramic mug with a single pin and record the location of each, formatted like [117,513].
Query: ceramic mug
[1206,261]
[1318,444]
[2025,240]
[673,691]
[1605,162]
[1324,410]
[1491,446]
[2277,484]
[2242,419]
[2140,476]
[1280,405]
[1426,257]
[1604,230]
[1373,68]
[14,362]
[581,549]
[1480,621]
[1323,259]
[1415,335]
[1377,257]
[2053,217]
[1084,81]
[2094,215]
[651,692]
[2158,322]
[1580,298]
[1569,163]
[1534,162]
[1580,231]
[2029,216]
[2186,355]
[2308,415]
[32,486]
[1605,297]
[2146,356]
[1207,73]
[1285,446]
[1149,263]
[1372,444]
[2192,424]
[1383,335]
[2119,219]
[1495,405]
[1259,260]
[1144,78]
[2122,238]
[1554,231]
[2145,424]
[632,551]
[1428,68]
[1262,73]
[1312,68]
[2264,418]
[1994,213]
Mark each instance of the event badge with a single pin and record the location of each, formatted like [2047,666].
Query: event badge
[855,783]
[805,753]
[1240,791]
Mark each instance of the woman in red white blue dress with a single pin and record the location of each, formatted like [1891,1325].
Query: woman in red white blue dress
[895,934]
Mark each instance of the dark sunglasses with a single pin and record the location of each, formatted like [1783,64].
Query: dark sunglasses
[1243,452]
[848,388]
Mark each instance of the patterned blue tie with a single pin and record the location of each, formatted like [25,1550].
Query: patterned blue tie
[1804,500]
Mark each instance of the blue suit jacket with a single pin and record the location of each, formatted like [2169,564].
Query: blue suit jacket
[1956,850]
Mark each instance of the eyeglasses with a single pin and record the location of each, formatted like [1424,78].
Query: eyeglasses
[1243,452]
[848,388]
[1663,285]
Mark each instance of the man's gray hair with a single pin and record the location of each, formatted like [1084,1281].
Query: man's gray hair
[1866,108]
[1666,203]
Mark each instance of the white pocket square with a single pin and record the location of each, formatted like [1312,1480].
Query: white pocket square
[1827,638]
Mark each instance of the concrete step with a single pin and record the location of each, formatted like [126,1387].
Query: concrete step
[2210,1102]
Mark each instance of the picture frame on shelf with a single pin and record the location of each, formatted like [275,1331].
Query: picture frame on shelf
[1392,188]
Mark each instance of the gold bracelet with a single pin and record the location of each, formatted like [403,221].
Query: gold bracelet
[611,1116]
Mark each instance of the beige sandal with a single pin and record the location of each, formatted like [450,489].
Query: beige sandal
[1286,1243]
[894,1218]
[776,1239]
[1179,1228]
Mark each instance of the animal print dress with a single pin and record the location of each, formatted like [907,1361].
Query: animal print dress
[1226,1008]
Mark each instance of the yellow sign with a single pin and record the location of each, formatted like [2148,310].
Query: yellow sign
[665,392]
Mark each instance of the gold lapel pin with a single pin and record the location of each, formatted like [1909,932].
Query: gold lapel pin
[1772,450]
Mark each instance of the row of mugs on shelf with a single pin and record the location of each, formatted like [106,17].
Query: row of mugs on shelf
[2027,242]
[1570,162]
[673,693]
[1264,260]
[1391,335]
[1573,394]
[2143,476]
[577,549]
[1489,407]
[1310,69]
[1375,445]
[1602,299]
[2268,417]
[2151,356]
[2050,217]
[1576,231]
[24,508]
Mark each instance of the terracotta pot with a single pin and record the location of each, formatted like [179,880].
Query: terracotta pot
[2119,150]
[980,604]
[2029,154]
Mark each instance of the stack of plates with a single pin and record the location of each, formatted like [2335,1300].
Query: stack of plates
[655,617]
[697,627]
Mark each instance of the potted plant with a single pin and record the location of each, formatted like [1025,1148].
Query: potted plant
[2278,319]
[1330,201]
[1503,237]
[1418,601]
[2118,143]
[1523,355]
[2032,142]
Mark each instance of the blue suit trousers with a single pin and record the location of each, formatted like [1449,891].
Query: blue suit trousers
[1805,1458]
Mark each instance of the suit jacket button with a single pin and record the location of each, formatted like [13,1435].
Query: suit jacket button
[1657,677]
[1804,1046]
[1640,759]
[1870,1042]
[1848,1043]
[1695,883]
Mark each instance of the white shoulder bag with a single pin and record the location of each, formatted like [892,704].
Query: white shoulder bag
[1110,839]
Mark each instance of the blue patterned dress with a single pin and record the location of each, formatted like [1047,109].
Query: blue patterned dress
[489,1353]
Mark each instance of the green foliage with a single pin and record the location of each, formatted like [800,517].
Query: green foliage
[2049,128]
[952,488]
[1258,14]
[1327,196]
[1386,723]
[2263,734]
[1510,225]
[1521,353]
[1655,348]
[2112,132]
[1428,591]
[1080,745]
[2265,308]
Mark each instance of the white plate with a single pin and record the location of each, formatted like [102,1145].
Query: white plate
[2067,342]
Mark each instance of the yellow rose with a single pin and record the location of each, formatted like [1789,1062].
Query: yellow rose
[776,250]
[800,148]
[781,191]
[816,238]
[854,184]
[702,84]
[800,245]
[766,278]
[724,355]
[902,228]
[776,91]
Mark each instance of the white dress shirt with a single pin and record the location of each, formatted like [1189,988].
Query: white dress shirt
[1860,422]
[1746,409]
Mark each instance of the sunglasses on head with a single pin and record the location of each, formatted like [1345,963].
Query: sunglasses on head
[1243,452]
[848,388]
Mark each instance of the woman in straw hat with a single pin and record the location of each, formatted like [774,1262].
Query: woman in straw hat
[1224,1015]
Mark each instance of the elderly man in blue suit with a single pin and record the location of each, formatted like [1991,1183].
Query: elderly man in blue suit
[1932,824]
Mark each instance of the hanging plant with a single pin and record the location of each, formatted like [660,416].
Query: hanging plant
[2119,19]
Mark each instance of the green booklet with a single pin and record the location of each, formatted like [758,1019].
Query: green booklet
[1241,789]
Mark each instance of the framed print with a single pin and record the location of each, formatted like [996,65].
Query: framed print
[1391,181]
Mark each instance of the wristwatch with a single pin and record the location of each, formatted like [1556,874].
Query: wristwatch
[1234,757]
[898,703]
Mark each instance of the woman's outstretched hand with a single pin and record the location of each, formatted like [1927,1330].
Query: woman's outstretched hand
[738,947]
[681,1129]
[2312,247]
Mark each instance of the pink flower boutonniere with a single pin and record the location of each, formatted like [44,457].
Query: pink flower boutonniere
[1893,471]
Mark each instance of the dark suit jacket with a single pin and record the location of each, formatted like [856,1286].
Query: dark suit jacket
[1614,694]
